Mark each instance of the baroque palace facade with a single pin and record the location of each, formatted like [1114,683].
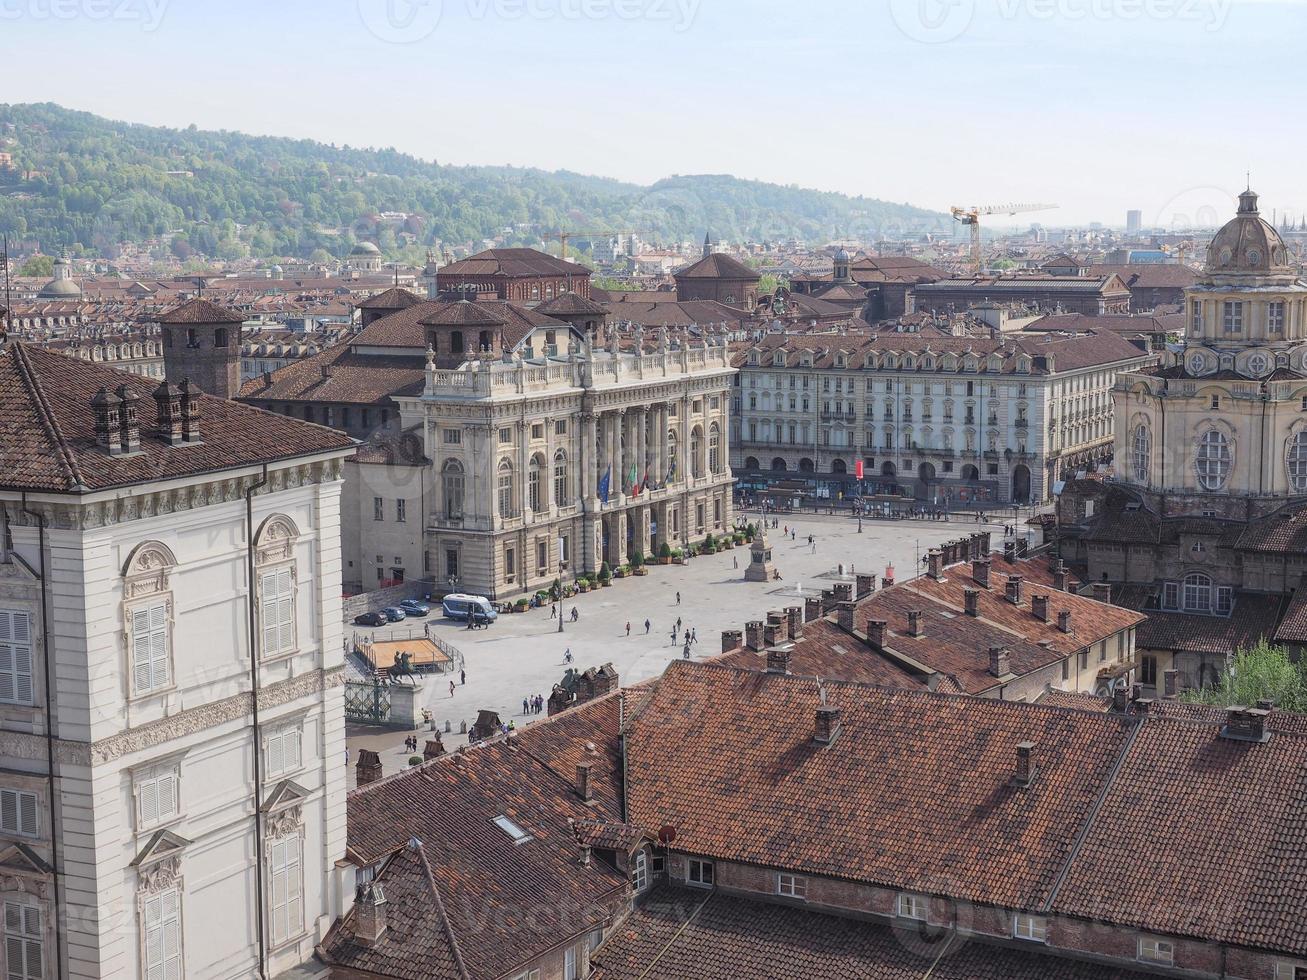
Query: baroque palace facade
[548,468]
[1203,526]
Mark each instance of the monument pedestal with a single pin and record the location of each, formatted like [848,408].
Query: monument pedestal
[405,705]
[760,566]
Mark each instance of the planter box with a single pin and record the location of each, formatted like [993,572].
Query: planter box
[640,571]
[666,561]
[606,584]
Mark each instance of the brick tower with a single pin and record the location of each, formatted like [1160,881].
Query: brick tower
[202,342]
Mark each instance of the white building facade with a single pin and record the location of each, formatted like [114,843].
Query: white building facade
[161,820]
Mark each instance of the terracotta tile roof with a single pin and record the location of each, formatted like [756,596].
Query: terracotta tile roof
[404,328]
[824,650]
[1072,699]
[1150,275]
[507,902]
[394,298]
[463,313]
[1293,627]
[1215,830]
[717,266]
[916,790]
[1284,532]
[677,933]
[571,304]
[1210,714]
[200,311]
[1252,619]
[511,262]
[47,429]
[671,312]
[351,378]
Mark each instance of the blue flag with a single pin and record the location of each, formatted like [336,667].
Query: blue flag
[603,484]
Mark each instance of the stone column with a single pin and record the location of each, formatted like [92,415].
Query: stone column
[642,443]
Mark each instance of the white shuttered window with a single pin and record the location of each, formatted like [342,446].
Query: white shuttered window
[15,657]
[24,958]
[18,812]
[287,890]
[278,611]
[282,753]
[150,647]
[163,936]
[156,795]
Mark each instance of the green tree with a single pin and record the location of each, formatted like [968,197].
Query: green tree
[1263,672]
[40,266]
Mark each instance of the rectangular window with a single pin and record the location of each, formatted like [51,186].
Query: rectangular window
[1224,600]
[15,657]
[1148,671]
[791,886]
[505,435]
[281,752]
[278,599]
[162,924]
[1156,950]
[1196,318]
[913,907]
[150,647]
[1232,316]
[18,812]
[1275,317]
[24,953]
[1171,595]
[451,563]
[156,797]
[510,563]
[569,964]
[401,511]
[700,873]
[453,437]
[560,427]
[537,430]
[1033,928]
[542,556]
[378,509]
[1216,401]
[287,903]
[1290,971]
[640,872]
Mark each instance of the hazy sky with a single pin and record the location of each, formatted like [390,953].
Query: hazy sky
[1097,105]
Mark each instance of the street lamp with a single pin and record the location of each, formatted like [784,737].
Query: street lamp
[562,566]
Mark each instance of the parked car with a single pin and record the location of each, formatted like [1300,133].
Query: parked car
[415,607]
[370,619]
[394,614]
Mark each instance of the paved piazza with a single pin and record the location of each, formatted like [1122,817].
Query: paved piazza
[521,655]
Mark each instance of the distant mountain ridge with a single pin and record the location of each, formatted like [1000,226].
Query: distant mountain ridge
[81,181]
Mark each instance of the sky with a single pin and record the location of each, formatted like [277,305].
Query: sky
[1097,106]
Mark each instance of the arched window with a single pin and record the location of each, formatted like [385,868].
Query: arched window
[1297,462]
[1212,461]
[715,447]
[1141,451]
[507,504]
[451,479]
[561,492]
[1197,593]
[696,452]
[148,615]
[534,479]
[274,558]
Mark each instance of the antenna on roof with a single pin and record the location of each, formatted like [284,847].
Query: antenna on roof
[9,311]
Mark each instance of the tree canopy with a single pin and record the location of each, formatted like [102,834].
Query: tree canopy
[1263,672]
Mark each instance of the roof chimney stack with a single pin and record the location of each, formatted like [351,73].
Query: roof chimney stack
[583,787]
[190,411]
[731,640]
[844,615]
[828,724]
[811,608]
[108,430]
[866,584]
[1246,724]
[168,408]
[1009,551]
[914,622]
[794,622]
[934,564]
[999,664]
[753,634]
[369,913]
[980,572]
[1039,606]
[434,748]
[1014,589]
[368,768]
[876,633]
[1060,577]
[1103,592]
[1025,772]
[1064,620]
[778,659]
[971,601]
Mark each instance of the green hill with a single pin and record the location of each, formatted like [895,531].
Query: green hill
[89,183]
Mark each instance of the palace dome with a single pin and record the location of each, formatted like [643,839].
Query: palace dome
[1247,245]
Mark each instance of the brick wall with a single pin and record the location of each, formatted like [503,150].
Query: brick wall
[381,598]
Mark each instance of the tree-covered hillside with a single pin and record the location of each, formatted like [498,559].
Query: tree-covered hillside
[88,183]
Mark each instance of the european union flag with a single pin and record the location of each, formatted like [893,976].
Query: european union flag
[603,484]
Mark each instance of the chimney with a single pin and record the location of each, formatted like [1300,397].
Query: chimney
[1143,705]
[778,659]
[772,634]
[1014,589]
[844,615]
[984,542]
[980,572]
[434,748]
[190,410]
[368,768]
[583,788]
[1171,684]
[168,408]
[731,640]
[1103,592]
[811,608]
[794,622]
[369,913]
[887,579]
[1025,774]
[753,634]
[999,664]
[1023,547]
[1039,606]
[1009,551]
[971,601]
[876,633]
[843,591]
[1064,620]
[828,724]
[914,622]
[108,431]
[866,585]
[1060,577]
[267,379]
[1246,724]
[1120,700]
[934,564]
[828,599]
[129,419]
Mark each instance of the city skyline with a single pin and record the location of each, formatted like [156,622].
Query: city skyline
[996,79]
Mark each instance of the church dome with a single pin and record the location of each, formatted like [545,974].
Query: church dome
[1247,245]
[60,289]
[365,248]
[841,256]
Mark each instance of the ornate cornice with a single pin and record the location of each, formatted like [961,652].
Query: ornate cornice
[155,733]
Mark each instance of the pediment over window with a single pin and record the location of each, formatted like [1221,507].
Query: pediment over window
[283,808]
[159,862]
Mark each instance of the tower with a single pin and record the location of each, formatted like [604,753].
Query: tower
[842,266]
[202,343]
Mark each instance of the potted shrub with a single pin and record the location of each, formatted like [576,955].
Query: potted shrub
[637,564]
[605,575]
[415,760]
[583,585]
[678,556]
[709,545]
[521,604]
[664,554]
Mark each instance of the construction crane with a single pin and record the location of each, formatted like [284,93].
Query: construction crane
[971,217]
[565,236]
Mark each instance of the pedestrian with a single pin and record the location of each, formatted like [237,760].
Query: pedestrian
[794,533]
[647,626]
[451,689]
[685,654]
[553,610]
[628,627]
[678,598]
[735,559]
[694,635]
[346,755]
[462,676]
[526,707]
[678,624]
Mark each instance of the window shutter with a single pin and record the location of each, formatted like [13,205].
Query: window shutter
[158,645]
[271,630]
[294,899]
[22,649]
[168,804]
[8,658]
[141,649]
[276,761]
[149,794]
[27,813]
[292,750]
[285,609]
[172,940]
